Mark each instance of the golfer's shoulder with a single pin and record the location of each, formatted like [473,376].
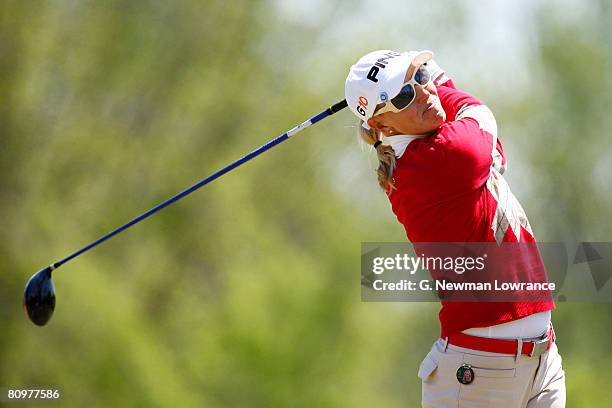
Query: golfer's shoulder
[453,100]
[465,114]
[481,115]
[425,153]
[457,143]
[476,129]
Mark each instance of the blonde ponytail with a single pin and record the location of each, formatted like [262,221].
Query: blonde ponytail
[386,157]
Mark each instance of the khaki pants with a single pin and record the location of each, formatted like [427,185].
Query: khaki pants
[500,381]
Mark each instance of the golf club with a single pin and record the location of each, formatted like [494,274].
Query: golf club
[39,294]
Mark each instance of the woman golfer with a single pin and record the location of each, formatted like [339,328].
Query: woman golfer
[441,165]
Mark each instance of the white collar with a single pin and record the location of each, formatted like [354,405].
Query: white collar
[399,143]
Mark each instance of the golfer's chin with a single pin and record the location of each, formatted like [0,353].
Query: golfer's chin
[434,118]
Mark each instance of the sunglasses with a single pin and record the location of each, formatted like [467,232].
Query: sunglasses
[407,94]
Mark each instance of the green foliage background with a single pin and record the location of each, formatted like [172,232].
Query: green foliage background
[247,293]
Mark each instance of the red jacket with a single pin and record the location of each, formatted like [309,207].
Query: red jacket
[450,188]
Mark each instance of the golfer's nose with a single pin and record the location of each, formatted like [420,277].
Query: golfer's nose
[422,94]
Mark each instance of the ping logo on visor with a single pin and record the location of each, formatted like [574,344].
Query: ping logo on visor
[381,63]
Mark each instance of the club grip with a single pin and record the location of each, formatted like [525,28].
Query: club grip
[338,106]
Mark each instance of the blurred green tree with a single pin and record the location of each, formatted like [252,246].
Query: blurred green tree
[247,293]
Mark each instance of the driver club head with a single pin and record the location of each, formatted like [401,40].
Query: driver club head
[39,297]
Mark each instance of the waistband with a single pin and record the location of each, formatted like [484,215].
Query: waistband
[527,347]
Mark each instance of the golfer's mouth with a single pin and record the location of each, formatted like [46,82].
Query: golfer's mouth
[429,106]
